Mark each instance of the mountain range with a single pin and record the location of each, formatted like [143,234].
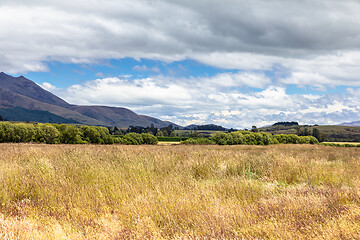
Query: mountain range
[351,124]
[23,100]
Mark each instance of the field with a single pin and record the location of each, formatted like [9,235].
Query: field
[179,192]
[343,143]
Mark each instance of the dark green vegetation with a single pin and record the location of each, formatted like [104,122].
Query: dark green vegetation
[18,114]
[68,134]
[211,127]
[327,133]
[171,139]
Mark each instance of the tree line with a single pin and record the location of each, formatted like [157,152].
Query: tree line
[253,138]
[67,134]
[80,134]
[168,131]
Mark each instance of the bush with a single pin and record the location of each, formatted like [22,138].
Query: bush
[47,133]
[198,141]
[133,138]
[70,134]
[260,138]
[149,138]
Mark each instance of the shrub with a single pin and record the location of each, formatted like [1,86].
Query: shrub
[198,141]
[149,138]
[47,133]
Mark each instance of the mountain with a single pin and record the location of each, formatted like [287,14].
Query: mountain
[23,100]
[351,124]
[25,87]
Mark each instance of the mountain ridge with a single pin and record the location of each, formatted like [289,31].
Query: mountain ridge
[26,94]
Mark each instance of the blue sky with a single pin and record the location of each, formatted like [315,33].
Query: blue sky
[233,63]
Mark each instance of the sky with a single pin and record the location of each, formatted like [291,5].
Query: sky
[233,63]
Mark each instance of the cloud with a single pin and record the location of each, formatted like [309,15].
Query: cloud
[201,103]
[123,92]
[144,68]
[267,45]
[312,41]
[256,80]
[48,86]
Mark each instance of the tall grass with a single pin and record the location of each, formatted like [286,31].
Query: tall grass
[179,192]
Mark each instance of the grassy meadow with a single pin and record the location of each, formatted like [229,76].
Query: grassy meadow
[179,192]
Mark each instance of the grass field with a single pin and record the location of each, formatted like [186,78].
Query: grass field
[179,192]
[343,143]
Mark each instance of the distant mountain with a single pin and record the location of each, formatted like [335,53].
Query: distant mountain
[351,124]
[23,100]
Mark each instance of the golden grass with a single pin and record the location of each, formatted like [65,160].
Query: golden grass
[343,143]
[179,192]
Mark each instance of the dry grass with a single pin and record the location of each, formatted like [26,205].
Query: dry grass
[343,143]
[179,192]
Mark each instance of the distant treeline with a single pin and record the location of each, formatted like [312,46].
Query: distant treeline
[286,124]
[252,138]
[68,134]
[208,127]
[168,131]
[160,132]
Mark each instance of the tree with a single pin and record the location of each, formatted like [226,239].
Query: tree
[160,134]
[70,134]
[47,133]
[317,134]
[254,129]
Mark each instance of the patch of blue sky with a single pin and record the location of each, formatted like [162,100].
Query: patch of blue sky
[63,75]
[292,89]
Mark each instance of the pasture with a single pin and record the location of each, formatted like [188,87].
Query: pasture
[179,192]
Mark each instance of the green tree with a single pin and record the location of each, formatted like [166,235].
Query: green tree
[160,134]
[148,138]
[70,134]
[317,134]
[254,129]
[47,133]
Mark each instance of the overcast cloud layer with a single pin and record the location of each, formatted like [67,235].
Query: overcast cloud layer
[268,45]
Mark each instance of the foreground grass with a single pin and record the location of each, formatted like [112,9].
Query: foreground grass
[179,192]
[343,143]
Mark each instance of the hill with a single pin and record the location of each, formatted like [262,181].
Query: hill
[23,100]
[351,124]
[331,133]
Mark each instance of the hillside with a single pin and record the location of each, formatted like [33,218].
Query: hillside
[18,94]
[18,114]
[351,124]
[331,133]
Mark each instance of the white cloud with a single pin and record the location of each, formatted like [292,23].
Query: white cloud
[316,43]
[120,92]
[305,43]
[201,103]
[48,86]
[256,80]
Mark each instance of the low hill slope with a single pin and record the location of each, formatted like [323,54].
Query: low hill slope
[331,133]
